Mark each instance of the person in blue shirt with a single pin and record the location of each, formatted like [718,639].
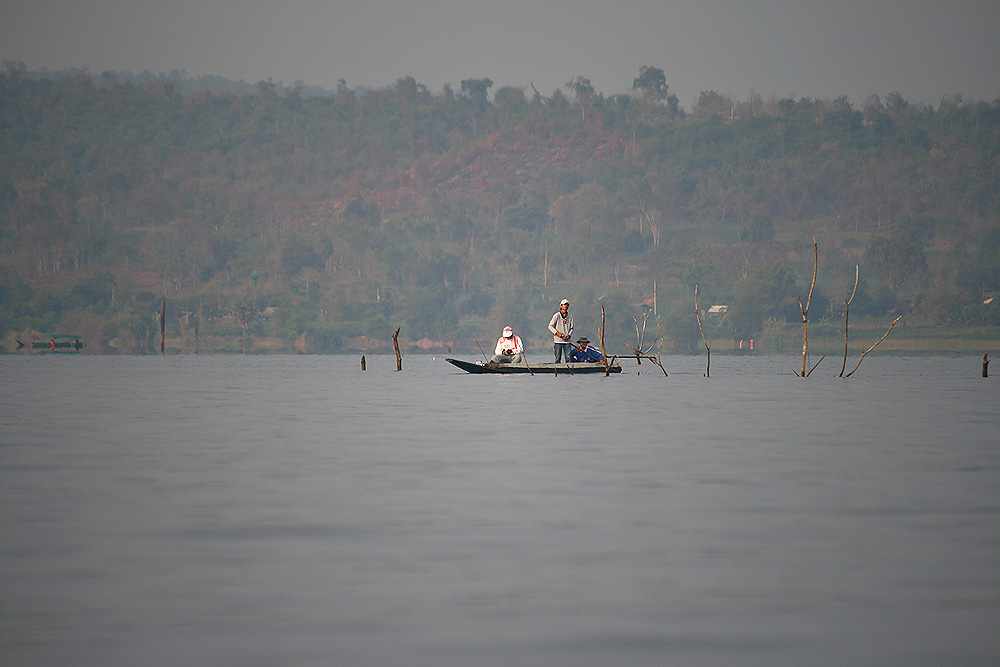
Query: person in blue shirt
[585,352]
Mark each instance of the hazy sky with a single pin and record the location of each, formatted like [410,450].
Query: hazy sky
[924,49]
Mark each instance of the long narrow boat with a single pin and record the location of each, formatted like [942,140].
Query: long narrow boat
[510,369]
[57,344]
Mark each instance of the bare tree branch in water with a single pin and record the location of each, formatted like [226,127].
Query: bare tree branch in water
[708,349]
[847,312]
[805,309]
[658,359]
[874,346]
[395,344]
[816,364]
[640,335]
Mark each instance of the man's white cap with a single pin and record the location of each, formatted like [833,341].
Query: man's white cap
[564,302]
[507,332]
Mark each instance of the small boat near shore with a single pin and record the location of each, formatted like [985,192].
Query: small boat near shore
[481,367]
[57,344]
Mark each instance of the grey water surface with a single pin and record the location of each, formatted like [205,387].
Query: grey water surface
[294,510]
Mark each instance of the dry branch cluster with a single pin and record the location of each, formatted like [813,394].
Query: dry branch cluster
[847,311]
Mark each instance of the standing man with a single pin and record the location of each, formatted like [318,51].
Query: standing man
[561,326]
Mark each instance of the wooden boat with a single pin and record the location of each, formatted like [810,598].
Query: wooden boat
[511,369]
[57,344]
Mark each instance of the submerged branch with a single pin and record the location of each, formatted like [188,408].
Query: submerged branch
[395,344]
[817,364]
[659,351]
[805,309]
[874,346]
[640,336]
[847,312]
[708,349]
[600,331]
[608,365]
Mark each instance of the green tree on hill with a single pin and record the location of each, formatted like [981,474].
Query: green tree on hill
[354,205]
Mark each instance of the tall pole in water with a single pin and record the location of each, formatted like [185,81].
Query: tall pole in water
[163,323]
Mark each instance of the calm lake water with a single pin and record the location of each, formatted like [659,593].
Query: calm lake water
[293,510]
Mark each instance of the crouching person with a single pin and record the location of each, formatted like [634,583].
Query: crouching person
[509,350]
[585,352]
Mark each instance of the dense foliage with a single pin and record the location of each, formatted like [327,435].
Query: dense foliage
[342,216]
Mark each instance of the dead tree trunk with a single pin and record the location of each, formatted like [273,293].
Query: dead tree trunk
[708,348]
[395,344]
[163,325]
[805,309]
[600,332]
[847,311]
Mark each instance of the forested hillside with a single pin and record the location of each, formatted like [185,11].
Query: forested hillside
[325,221]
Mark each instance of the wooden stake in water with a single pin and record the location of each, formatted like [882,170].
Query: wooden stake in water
[362,362]
[163,324]
[708,348]
[395,344]
[805,309]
